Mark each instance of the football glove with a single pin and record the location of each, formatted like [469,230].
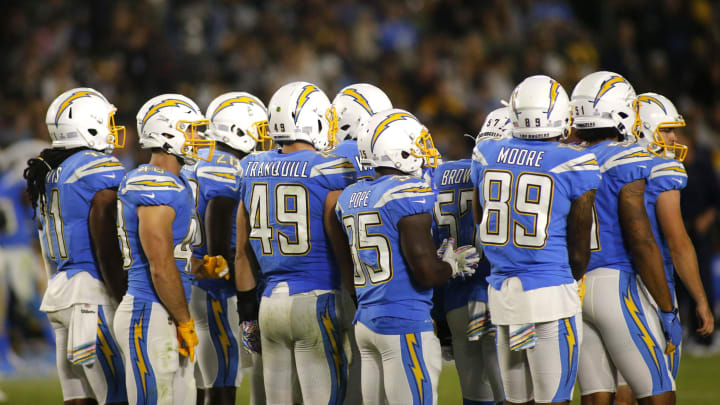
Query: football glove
[187,339]
[251,336]
[462,260]
[672,329]
[216,267]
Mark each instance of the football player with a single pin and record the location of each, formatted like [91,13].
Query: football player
[521,183]
[72,187]
[238,122]
[20,269]
[156,227]
[287,194]
[465,299]
[388,221]
[656,123]
[353,106]
[623,328]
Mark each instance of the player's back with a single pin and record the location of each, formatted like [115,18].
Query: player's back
[69,190]
[150,185]
[620,163]
[18,227]
[284,195]
[209,179]
[665,175]
[526,188]
[454,219]
[349,149]
[370,211]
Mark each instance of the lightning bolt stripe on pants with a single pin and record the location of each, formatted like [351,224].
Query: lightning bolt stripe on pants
[568,348]
[415,370]
[142,370]
[224,342]
[333,343]
[108,354]
[639,329]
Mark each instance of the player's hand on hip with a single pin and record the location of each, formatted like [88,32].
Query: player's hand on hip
[462,260]
[251,336]
[672,329]
[216,267]
[187,339]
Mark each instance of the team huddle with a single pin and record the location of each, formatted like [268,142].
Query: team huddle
[316,248]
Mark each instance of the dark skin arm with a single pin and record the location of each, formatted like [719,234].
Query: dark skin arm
[579,226]
[218,225]
[418,248]
[156,238]
[683,255]
[102,221]
[476,208]
[639,237]
[246,265]
[339,242]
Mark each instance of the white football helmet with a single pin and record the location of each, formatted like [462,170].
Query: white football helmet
[239,120]
[83,117]
[173,123]
[396,139]
[604,100]
[655,111]
[539,109]
[496,125]
[355,104]
[300,111]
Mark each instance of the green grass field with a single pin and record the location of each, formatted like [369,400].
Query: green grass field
[698,384]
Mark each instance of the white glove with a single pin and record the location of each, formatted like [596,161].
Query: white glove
[462,260]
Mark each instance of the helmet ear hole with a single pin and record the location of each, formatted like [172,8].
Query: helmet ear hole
[93,131]
[622,115]
[345,127]
[404,155]
[319,125]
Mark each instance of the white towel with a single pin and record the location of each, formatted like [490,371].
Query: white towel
[522,336]
[479,323]
[82,334]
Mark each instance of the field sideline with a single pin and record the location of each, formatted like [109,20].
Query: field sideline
[697,385]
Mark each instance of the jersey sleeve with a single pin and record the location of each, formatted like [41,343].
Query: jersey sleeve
[216,180]
[669,175]
[98,174]
[334,172]
[579,174]
[628,164]
[154,189]
[478,165]
[408,197]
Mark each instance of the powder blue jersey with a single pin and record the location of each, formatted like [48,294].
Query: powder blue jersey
[216,178]
[620,163]
[370,211]
[665,175]
[19,230]
[526,189]
[349,149]
[69,190]
[284,195]
[454,218]
[149,185]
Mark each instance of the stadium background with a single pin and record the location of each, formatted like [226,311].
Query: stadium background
[449,62]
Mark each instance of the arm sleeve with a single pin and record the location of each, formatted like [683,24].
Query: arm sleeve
[102,173]
[218,181]
[668,175]
[334,172]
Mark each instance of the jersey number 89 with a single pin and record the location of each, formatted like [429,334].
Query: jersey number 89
[533,195]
